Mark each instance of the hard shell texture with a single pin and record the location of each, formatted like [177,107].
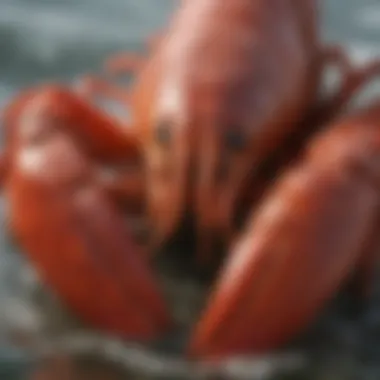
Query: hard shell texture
[79,242]
[307,237]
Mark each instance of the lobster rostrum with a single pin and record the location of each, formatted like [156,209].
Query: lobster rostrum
[225,86]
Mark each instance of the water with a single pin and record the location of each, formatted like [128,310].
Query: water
[43,40]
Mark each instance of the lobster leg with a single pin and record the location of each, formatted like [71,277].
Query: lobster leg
[74,236]
[92,86]
[121,63]
[304,241]
[130,62]
[352,81]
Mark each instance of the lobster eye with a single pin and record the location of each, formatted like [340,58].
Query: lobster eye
[235,140]
[163,133]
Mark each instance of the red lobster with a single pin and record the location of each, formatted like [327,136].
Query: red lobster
[227,84]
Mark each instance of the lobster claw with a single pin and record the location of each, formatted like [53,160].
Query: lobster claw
[80,245]
[74,235]
[303,243]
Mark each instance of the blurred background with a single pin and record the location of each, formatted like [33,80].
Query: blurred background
[43,40]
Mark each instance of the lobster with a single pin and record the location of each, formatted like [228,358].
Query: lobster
[225,86]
